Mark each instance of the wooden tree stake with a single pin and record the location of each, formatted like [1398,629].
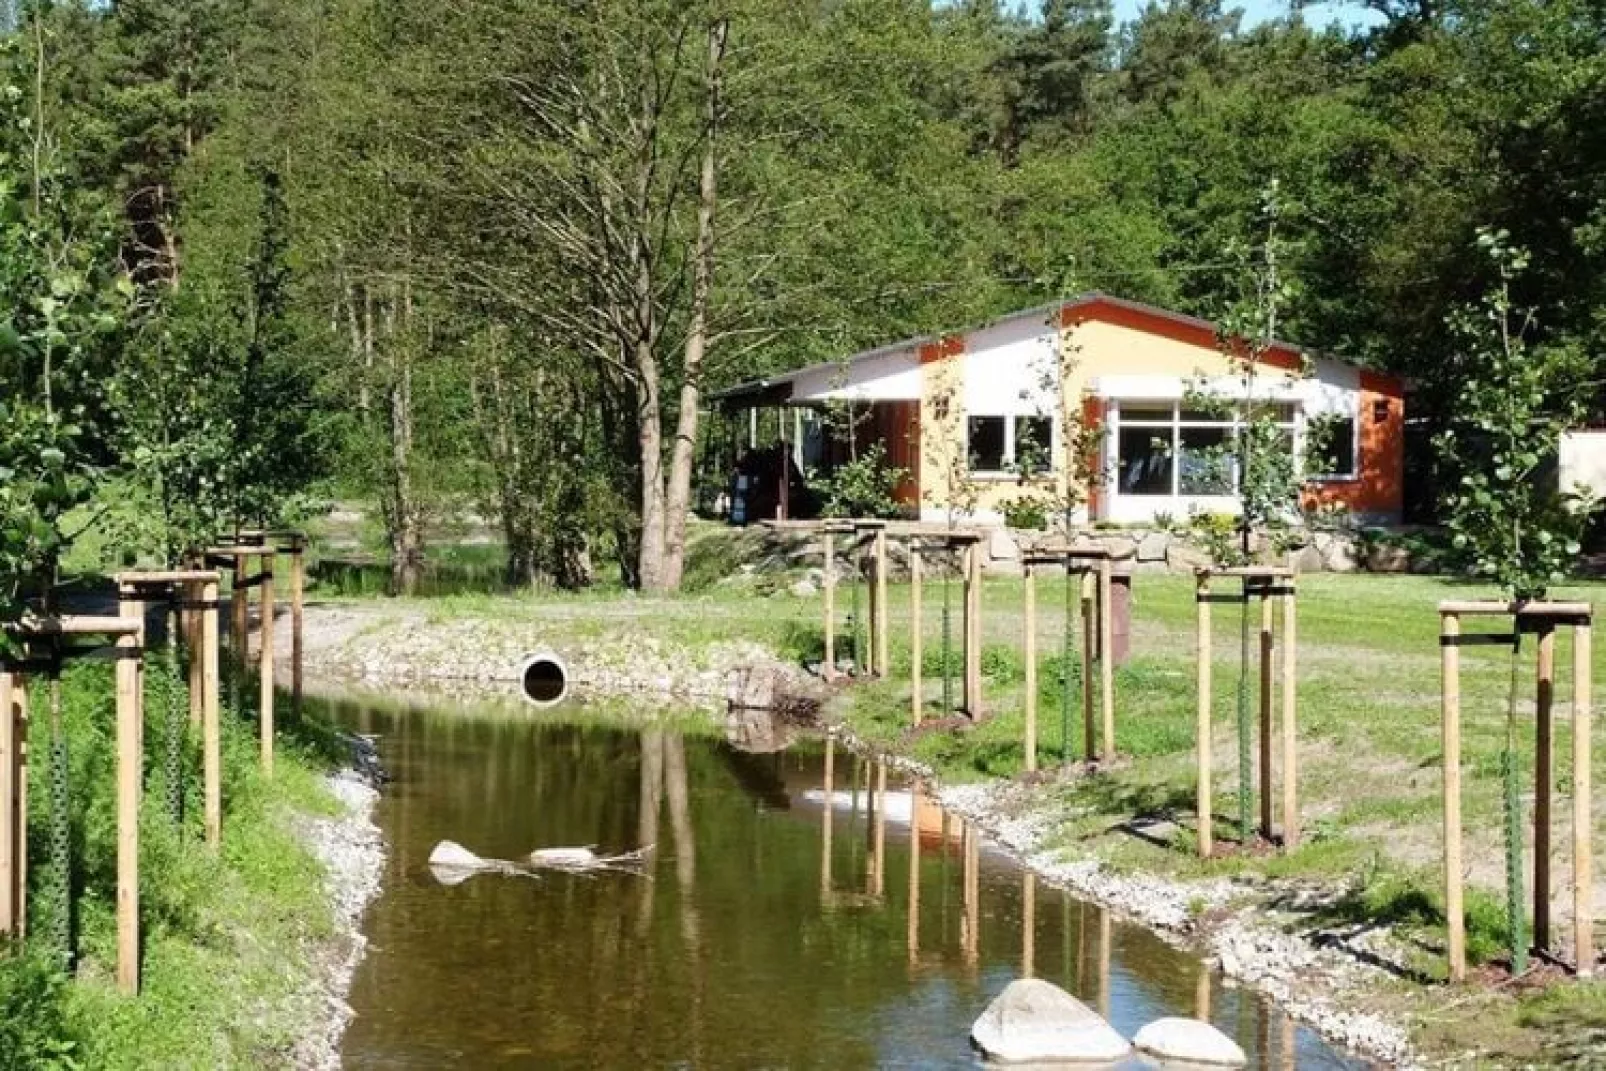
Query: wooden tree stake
[1107,655]
[1205,800]
[1290,721]
[9,834]
[1089,638]
[973,630]
[298,584]
[1030,743]
[1454,909]
[130,768]
[211,746]
[828,582]
[917,684]
[881,639]
[1268,644]
[265,676]
[1544,755]
[1583,818]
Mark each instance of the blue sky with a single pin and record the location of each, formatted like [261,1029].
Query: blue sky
[1260,10]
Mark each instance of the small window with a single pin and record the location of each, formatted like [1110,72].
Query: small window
[1332,443]
[986,445]
[1034,442]
[1145,459]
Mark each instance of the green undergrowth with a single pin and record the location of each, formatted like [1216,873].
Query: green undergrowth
[226,937]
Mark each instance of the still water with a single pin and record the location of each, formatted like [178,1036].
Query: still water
[803,909]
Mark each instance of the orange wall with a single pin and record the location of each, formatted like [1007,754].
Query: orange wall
[1380,487]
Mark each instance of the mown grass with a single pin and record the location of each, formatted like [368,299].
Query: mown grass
[226,937]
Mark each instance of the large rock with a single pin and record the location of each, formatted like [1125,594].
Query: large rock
[1152,547]
[1001,546]
[1034,1020]
[1189,1041]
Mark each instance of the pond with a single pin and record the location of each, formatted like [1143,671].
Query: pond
[802,909]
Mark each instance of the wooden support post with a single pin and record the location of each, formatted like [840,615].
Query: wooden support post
[1544,756]
[828,583]
[190,593]
[973,630]
[9,767]
[880,639]
[130,767]
[1029,745]
[1290,722]
[1268,654]
[1454,911]
[211,746]
[917,684]
[1583,819]
[298,585]
[1089,638]
[1204,800]
[1107,656]
[239,611]
[1028,924]
[19,901]
[265,669]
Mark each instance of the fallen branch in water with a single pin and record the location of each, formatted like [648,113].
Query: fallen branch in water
[453,864]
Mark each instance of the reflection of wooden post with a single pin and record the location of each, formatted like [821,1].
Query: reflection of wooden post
[1583,819]
[880,640]
[1030,744]
[1107,657]
[914,876]
[9,836]
[129,769]
[1543,756]
[1089,637]
[1104,962]
[1267,655]
[1201,994]
[917,684]
[878,866]
[1290,1052]
[828,790]
[211,746]
[265,674]
[1455,916]
[972,896]
[1205,801]
[828,583]
[1028,924]
[1290,722]
[298,584]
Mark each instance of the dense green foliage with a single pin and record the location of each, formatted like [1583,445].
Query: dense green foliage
[492,256]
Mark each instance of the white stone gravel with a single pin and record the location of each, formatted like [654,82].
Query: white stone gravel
[352,851]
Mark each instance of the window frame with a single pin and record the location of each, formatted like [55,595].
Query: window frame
[1010,456]
[1232,423]
[1354,474]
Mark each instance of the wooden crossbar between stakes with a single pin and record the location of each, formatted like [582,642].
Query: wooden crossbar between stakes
[1094,568]
[1274,586]
[1543,619]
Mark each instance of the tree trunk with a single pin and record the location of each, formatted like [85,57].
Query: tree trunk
[678,506]
[406,537]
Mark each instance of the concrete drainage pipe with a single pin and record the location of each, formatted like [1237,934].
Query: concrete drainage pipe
[544,679]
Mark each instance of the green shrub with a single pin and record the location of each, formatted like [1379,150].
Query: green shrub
[34,1027]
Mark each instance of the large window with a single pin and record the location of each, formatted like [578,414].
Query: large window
[1167,449]
[1000,445]
[1332,438]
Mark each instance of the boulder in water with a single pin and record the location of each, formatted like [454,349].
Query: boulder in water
[1037,1021]
[1189,1041]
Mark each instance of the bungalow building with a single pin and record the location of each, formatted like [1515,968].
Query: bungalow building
[978,417]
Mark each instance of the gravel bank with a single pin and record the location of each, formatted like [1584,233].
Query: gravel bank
[1259,935]
[352,852]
